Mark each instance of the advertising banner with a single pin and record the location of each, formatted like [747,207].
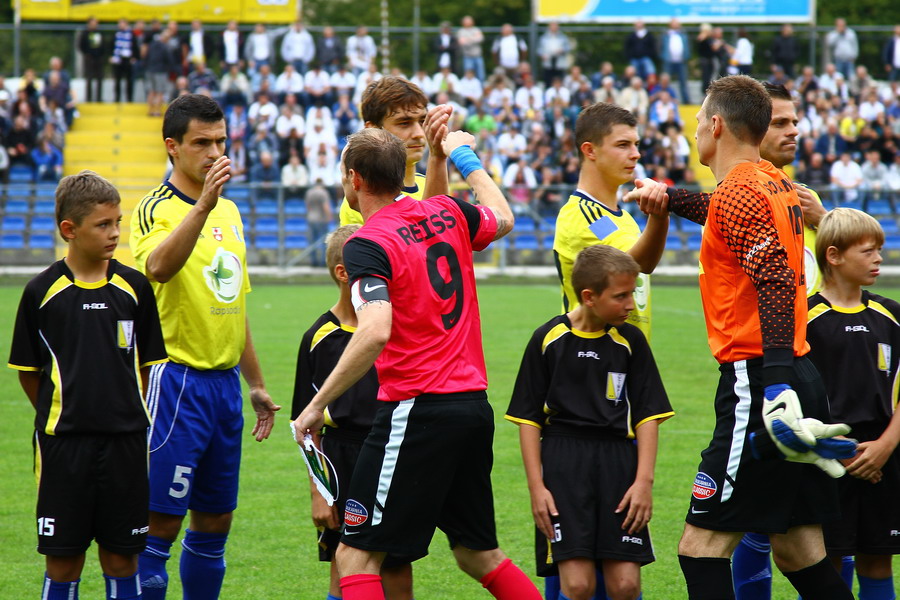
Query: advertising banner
[216,11]
[687,11]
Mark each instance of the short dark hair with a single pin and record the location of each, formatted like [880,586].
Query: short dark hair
[187,108]
[595,264]
[77,195]
[597,121]
[777,91]
[379,157]
[743,103]
[388,95]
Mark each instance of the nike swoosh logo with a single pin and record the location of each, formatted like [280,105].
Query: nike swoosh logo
[776,407]
[368,289]
[694,511]
[350,532]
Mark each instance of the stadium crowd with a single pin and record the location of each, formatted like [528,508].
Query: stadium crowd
[291,98]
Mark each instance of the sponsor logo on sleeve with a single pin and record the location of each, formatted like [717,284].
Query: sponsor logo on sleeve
[704,487]
[355,513]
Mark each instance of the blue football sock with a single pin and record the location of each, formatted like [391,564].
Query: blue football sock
[123,588]
[876,589]
[59,590]
[330,597]
[563,596]
[202,564]
[751,568]
[848,566]
[551,587]
[152,568]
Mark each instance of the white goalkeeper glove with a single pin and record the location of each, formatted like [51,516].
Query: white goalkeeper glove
[783,416]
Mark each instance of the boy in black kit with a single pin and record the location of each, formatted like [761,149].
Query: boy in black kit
[347,420]
[587,388]
[854,338]
[86,328]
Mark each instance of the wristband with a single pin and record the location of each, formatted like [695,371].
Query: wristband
[465,160]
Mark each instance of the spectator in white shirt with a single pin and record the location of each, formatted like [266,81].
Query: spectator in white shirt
[235,87]
[509,50]
[529,96]
[231,45]
[263,111]
[361,50]
[260,47]
[470,39]
[846,178]
[370,76]
[557,94]
[871,107]
[423,82]
[511,145]
[320,139]
[470,88]
[298,47]
[499,94]
[318,86]
[290,129]
[554,48]
[294,176]
[289,82]
[445,80]
[874,178]
[321,168]
[343,81]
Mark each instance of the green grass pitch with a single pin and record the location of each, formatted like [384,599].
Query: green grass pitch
[271,551]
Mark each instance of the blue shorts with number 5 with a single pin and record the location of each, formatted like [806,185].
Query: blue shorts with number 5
[195,439]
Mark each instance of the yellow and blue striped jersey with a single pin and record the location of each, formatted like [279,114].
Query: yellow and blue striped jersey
[584,221]
[349,216]
[203,307]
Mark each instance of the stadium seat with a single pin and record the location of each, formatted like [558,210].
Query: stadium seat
[266,225]
[295,225]
[45,191]
[42,241]
[688,226]
[11,223]
[243,206]
[527,241]
[235,193]
[525,223]
[693,242]
[45,207]
[889,225]
[266,207]
[19,191]
[20,174]
[266,242]
[880,207]
[892,242]
[547,226]
[42,224]
[673,242]
[293,206]
[296,242]
[16,206]
[12,241]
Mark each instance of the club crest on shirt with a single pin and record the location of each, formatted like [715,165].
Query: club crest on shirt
[355,513]
[615,384]
[704,487]
[217,233]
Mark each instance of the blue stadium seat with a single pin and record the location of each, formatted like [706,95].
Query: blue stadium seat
[45,191]
[296,242]
[266,242]
[20,174]
[237,192]
[293,206]
[16,206]
[266,207]
[19,191]
[693,242]
[12,241]
[243,206]
[45,207]
[295,225]
[527,241]
[525,223]
[11,223]
[892,242]
[547,226]
[688,226]
[673,242]
[889,225]
[42,241]
[42,224]
[266,225]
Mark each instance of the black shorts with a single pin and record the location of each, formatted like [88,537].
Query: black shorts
[426,463]
[91,487]
[342,448]
[588,478]
[870,513]
[735,492]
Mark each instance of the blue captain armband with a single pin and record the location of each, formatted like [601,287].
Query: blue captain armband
[465,160]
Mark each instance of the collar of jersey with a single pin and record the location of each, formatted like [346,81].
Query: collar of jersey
[179,193]
[849,311]
[411,189]
[585,196]
[87,285]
